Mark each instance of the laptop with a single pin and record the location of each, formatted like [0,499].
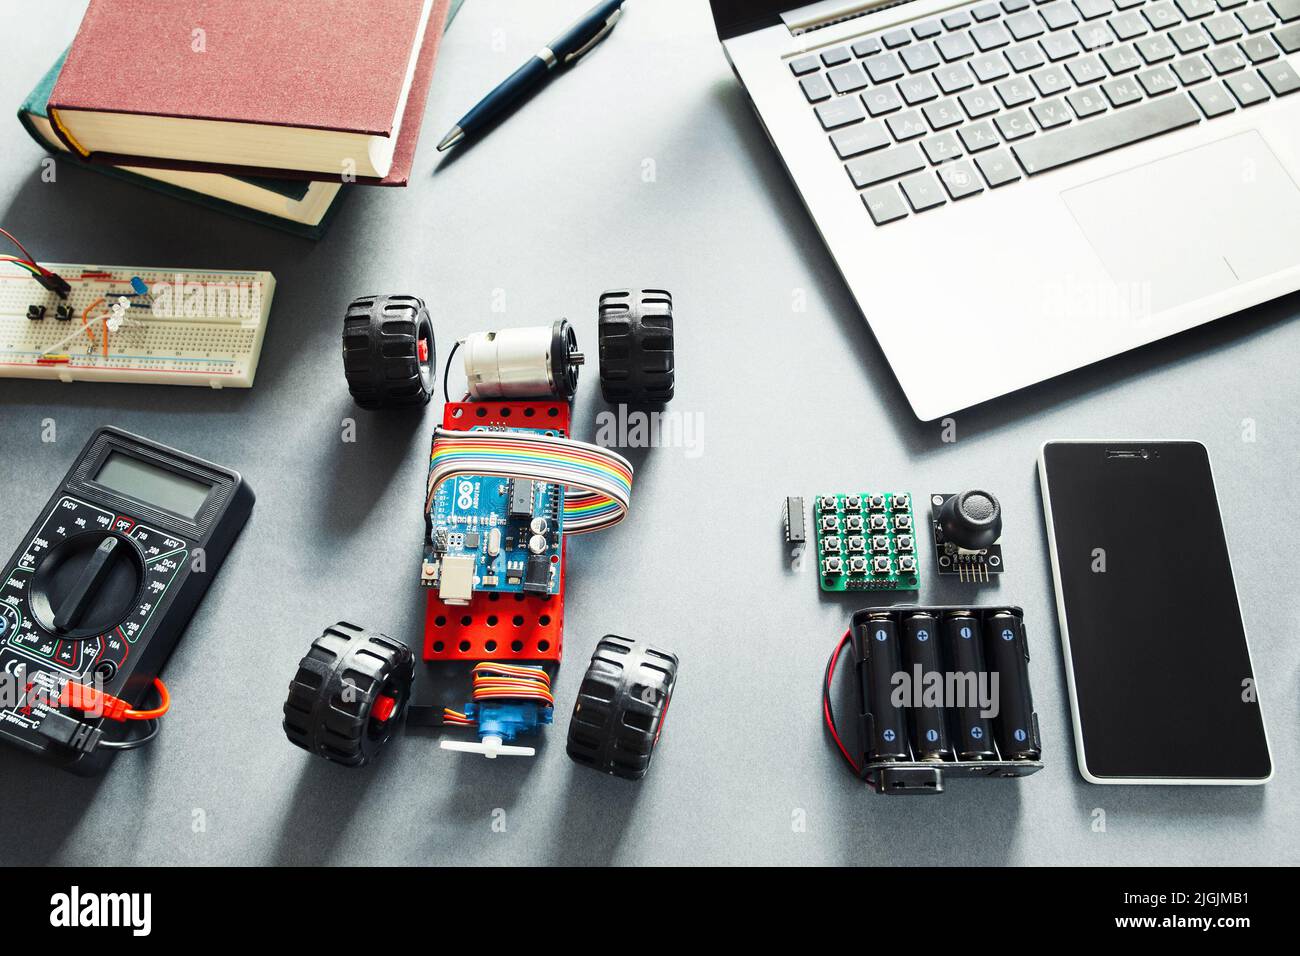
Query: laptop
[1013,189]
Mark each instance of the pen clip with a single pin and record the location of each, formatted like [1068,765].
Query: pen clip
[604,32]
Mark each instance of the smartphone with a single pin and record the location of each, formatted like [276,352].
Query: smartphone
[1161,685]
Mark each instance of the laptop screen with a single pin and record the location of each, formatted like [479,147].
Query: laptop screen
[734,17]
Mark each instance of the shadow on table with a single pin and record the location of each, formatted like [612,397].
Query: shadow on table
[36,830]
[597,811]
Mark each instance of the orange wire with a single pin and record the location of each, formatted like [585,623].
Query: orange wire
[164,704]
[85,321]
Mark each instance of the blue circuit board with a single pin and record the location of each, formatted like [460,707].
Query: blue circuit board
[494,534]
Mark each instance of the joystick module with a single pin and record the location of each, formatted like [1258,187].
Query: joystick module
[102,586]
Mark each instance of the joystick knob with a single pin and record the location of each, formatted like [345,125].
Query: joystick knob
[971,520]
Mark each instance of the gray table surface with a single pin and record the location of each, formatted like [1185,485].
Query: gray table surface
[644,167]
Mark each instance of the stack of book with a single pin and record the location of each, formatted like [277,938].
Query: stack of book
[268,112]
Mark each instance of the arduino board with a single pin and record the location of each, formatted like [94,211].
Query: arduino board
[187,327]
[866,542]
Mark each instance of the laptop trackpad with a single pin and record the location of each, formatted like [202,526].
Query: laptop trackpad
[1194,223]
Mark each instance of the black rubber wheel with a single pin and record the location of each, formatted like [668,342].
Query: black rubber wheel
[331,710]
[388,353]
[621,707]
[636,346]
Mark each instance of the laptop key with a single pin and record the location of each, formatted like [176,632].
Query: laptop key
[1288,38]
[896,38]
[1092,9]
[1286,10]
[917,89]
[998,168]
[1015,91]
[954,46]
[1111,131]
[885,204]
[941,148]
[943,114]
[927,30]
[978,136]
[1224,28]
[1015,6]
[837,56]
[840,111]
[990,36]
[848,78]
[1213,99]
[1094,36]
[920,57]
[1014,125]
[990,67]
[986,11]
[1189,38]
[923,192]
[1026,26]
[866,47]
[1086,69]
[804,65]
[1226,59]
[815,88]
[1027,56]
[1059,15]
[1195,9]
[953,79]
[1256,18]
[1128,26]
[886,164]
[881,100]
[1059,46]
[1051,81]
[1051,113]
[1121,59]
[1156,48]
[959,180]
[1248,89]
[1281,78]
[1122,92]
[884,67]
[978,103]
[1259,49]
[955,21]
[1162,15]
[1086,103]
[1157,80]
[859,139]
[907,125]
[1192,70]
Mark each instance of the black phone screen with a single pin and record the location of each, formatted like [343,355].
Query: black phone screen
[1162,684]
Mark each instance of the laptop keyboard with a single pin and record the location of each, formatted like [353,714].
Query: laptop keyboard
[984,96]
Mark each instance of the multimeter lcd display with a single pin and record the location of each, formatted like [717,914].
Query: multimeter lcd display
[153,485]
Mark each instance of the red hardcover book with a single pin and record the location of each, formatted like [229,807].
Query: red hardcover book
[310,89]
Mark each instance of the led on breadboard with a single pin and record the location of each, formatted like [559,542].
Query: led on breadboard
[189,327]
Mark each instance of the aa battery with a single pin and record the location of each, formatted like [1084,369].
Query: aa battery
[973,738]
[922,657]
[1007,655]
[881,659]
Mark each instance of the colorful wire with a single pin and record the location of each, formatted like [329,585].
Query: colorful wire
[597,481]
[494,681]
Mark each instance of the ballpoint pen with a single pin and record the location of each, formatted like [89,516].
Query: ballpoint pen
[562,52]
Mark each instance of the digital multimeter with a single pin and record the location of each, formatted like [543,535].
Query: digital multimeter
[106,580]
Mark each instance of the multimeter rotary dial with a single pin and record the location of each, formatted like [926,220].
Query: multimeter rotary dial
[87,585]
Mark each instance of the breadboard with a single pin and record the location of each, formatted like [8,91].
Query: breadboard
[192,327]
